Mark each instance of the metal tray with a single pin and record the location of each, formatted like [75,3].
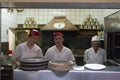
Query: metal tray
[34,60]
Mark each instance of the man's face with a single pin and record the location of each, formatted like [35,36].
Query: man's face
[95,43]
[58,40]
[34,39]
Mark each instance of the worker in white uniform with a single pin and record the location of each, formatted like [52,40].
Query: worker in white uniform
[59,51]
[28,48]
[95,54]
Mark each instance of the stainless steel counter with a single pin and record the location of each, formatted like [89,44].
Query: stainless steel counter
[110,73]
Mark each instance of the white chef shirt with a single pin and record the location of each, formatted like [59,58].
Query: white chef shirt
[22,51]
[91,57]
[53,54]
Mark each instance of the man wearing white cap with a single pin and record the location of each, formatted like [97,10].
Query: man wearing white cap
[95,54]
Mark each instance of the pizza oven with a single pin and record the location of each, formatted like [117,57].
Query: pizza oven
[59,23]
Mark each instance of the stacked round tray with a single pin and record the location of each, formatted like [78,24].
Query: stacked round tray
[60,66]
[33,64]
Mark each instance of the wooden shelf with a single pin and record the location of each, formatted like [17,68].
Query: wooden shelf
[90,30]
[25,28]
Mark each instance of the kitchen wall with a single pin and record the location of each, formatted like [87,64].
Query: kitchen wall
[43,16]
[76,16]
[8,20]
[11,19]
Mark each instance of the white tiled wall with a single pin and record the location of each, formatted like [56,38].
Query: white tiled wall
[76,16]
[43,16]
[108,12]
[7,20]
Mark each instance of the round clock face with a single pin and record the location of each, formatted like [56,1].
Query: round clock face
[59,25]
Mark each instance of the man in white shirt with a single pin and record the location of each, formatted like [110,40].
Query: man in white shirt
[95,54]
[27,49]
[59,51]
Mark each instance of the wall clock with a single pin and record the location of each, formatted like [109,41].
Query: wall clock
[59,25]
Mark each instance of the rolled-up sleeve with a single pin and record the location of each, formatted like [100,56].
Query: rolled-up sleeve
[16,53]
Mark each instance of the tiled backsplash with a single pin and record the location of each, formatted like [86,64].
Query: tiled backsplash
[43,16]
[7,20]
[76,16]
